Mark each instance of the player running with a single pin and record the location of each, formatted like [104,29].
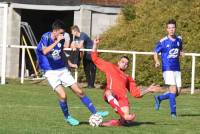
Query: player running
[49,52]
[170,48]
[118,83]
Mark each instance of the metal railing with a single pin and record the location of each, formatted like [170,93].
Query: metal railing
[133,53]
[4,42]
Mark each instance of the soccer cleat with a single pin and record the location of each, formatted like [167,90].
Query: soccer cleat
[72,121]
[157,103]
[103,113]
[173,116]
[111,123]
[129,117]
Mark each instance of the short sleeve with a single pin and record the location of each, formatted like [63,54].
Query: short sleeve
[67,37]
[158,48]
[82,37]
[43,43]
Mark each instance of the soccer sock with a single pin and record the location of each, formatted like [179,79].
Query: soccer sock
[87,102]
[64,108]
[172,102]
[115,105]
[164,96]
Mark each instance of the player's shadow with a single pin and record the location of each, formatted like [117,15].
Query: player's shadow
[184,115]
[84,123]
[130,124]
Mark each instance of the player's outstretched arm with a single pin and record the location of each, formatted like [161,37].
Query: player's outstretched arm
[95,44]
[137,91]
[100,63]
[152,88]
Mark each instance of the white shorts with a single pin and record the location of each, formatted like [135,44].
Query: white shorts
[59,77]
[172,78]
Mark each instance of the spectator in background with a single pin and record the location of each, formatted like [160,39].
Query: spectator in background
[82,40]
[72,57]
[67,55]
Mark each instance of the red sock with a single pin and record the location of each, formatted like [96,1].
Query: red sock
[116,107]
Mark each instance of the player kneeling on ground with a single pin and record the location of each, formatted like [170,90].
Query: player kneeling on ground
[117,85]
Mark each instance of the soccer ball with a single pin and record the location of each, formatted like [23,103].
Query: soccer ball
[95,120]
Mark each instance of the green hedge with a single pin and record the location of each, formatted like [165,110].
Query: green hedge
[140,26]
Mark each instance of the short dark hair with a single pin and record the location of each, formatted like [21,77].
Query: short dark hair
[126,57]
[171,21]
[75,28]
[58,24]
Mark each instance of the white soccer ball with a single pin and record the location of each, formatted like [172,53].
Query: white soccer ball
[95,120]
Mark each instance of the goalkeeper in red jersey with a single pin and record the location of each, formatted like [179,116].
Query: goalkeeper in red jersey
[118,83]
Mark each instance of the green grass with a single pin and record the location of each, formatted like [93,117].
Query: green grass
[33,109]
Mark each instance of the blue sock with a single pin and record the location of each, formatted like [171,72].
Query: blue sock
[164,96]
[172,102]
[64,108]
[87,102]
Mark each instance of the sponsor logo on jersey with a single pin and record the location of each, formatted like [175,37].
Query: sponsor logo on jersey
[173,53]
[56,54]
[59,45]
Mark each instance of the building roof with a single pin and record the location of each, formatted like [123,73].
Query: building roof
[45,2]
[108,2]
[71,2]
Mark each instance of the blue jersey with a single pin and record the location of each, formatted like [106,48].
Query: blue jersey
[170,52]
[52,60]
[88,44]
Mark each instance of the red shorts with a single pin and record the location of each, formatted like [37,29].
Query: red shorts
[123,100]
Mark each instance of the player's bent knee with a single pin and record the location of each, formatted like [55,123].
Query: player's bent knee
[60,93]
[77,90]
[80,93]
[108,92]
[62,96]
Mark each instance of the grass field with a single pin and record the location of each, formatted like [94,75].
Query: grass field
[33,109]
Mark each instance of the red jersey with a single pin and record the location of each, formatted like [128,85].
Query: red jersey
[116,80]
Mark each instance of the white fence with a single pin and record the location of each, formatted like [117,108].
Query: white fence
[4,38]
[133,53]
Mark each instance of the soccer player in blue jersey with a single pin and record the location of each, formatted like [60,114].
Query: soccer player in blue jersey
[49,52]
[170,48]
